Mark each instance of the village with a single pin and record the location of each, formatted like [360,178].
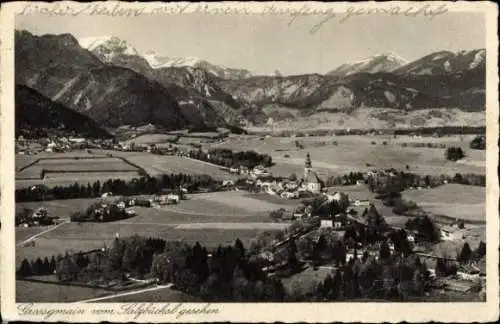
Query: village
[321,213]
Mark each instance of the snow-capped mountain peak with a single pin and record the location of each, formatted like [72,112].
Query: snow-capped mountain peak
[106,47]
[159,61]
[382,62]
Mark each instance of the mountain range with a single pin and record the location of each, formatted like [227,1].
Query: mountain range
[110,82]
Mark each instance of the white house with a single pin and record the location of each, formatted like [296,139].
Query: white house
[130,212]
[447,233]
[289,195]
[173,198]
[121,205]
[359,203]
[326,223]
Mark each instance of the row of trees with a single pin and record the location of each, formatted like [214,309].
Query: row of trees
[37,267]
[228,158]
[345,180]
[138,186]
[225,275]
[399,181]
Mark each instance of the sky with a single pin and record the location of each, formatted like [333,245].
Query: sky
[265,43]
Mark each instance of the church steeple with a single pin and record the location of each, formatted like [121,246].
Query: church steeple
[307,166]
[308,161]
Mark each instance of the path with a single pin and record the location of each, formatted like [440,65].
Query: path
[167,286]
[41,233]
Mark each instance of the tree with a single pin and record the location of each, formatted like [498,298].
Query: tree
[478,143]
[480,251]
[385,251]
[465,254]
[186,280]
[46,266]
[25,269]
[454,153]
[292,255]
[239,249]
[292,177]
[52,264]
[441,270]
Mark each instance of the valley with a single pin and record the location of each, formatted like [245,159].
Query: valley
[144,176]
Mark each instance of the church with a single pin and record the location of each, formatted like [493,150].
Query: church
[311,182]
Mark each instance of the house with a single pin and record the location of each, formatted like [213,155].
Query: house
[227,183]
[312,183]
[77,140]
[468,272]
[340,220]
[448,233]
[143,202]
[462,286]
[121,205]
[290,195]
[326,223]
[234,170]
[106,194]
[172,198]
[360,182]
[270,191]
[308,211]
[359,203]
[130,212]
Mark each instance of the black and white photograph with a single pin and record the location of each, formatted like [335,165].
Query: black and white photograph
[287,156]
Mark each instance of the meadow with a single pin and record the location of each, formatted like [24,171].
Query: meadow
[42,292]
[353,153]
[452,200]
[105,164]
[63,169]
[211,219]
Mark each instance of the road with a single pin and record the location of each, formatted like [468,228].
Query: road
[167,286]
[41,233]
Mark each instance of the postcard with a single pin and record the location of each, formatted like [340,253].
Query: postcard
[249,162]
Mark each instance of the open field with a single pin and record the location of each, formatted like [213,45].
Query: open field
[67,168]
[375,118]
[251,202]
[60,208]
[452,200]
[40,292]
[100,163]
[151,139]
[448,194]
[353,153]
[235,226]
[161,164]
[214,218]
[285,203]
